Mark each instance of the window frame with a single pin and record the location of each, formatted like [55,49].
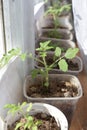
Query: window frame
[2,38]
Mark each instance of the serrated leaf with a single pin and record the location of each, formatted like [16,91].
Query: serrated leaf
[34,128]
[63,65]
[39,122]
[71,53]
[48,48]
[18,125]
[23,104]
[26,125]
[38,49]
[30,119]
[34,72]
[29,107]
[44,46]
[15,51]
[57,51]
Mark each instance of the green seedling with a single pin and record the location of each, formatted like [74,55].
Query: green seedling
[27,121]
[10,54]
[60,60]
[56,11]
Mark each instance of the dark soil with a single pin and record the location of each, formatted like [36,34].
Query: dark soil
[55,89]
[71,65]
[53,34]
[47,122]
[56,34]
[58,87]
[52,26]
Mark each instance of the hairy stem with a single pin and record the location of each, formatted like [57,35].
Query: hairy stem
[56,61]
[46,69]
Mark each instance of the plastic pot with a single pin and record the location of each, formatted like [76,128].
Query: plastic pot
[66,104]
[58,42]
[63,21]
[77,60]
[56,34]
[44,108]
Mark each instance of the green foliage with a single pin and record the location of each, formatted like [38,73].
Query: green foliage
[57,51]
[70,53]
[56,10]
[44,47]
[29,122]
[63,65]
[60,60]
[10,54]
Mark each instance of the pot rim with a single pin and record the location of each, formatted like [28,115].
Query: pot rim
[46,108]
[80,92]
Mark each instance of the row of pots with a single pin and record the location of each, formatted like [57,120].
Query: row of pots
[64,38]
[61,108]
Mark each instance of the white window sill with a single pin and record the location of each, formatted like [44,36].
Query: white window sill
[4,69]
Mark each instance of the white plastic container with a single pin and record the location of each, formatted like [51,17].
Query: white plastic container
[66,104]
[59,42]
[60,34]
[63,22]
[44,108]
[77,60]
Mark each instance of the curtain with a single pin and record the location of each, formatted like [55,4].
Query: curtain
[80,21]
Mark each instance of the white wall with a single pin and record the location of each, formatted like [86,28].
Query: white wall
[80,22]
[19,32]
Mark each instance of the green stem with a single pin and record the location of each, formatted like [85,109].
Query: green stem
[46,69]
[55,21]
[37,59]
[22,112]
[51,66]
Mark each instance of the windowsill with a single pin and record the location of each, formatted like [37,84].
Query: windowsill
[4,69]
[38,10]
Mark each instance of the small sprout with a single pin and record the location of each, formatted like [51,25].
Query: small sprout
[27,121]
[56,10]
[10,54]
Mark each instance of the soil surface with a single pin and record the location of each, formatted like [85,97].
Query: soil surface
[47,122]
[55,89]
[52,26]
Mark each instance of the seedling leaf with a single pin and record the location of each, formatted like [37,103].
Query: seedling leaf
[18,125]
[29,107]
[71,53]
[63,65]
[57,51]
